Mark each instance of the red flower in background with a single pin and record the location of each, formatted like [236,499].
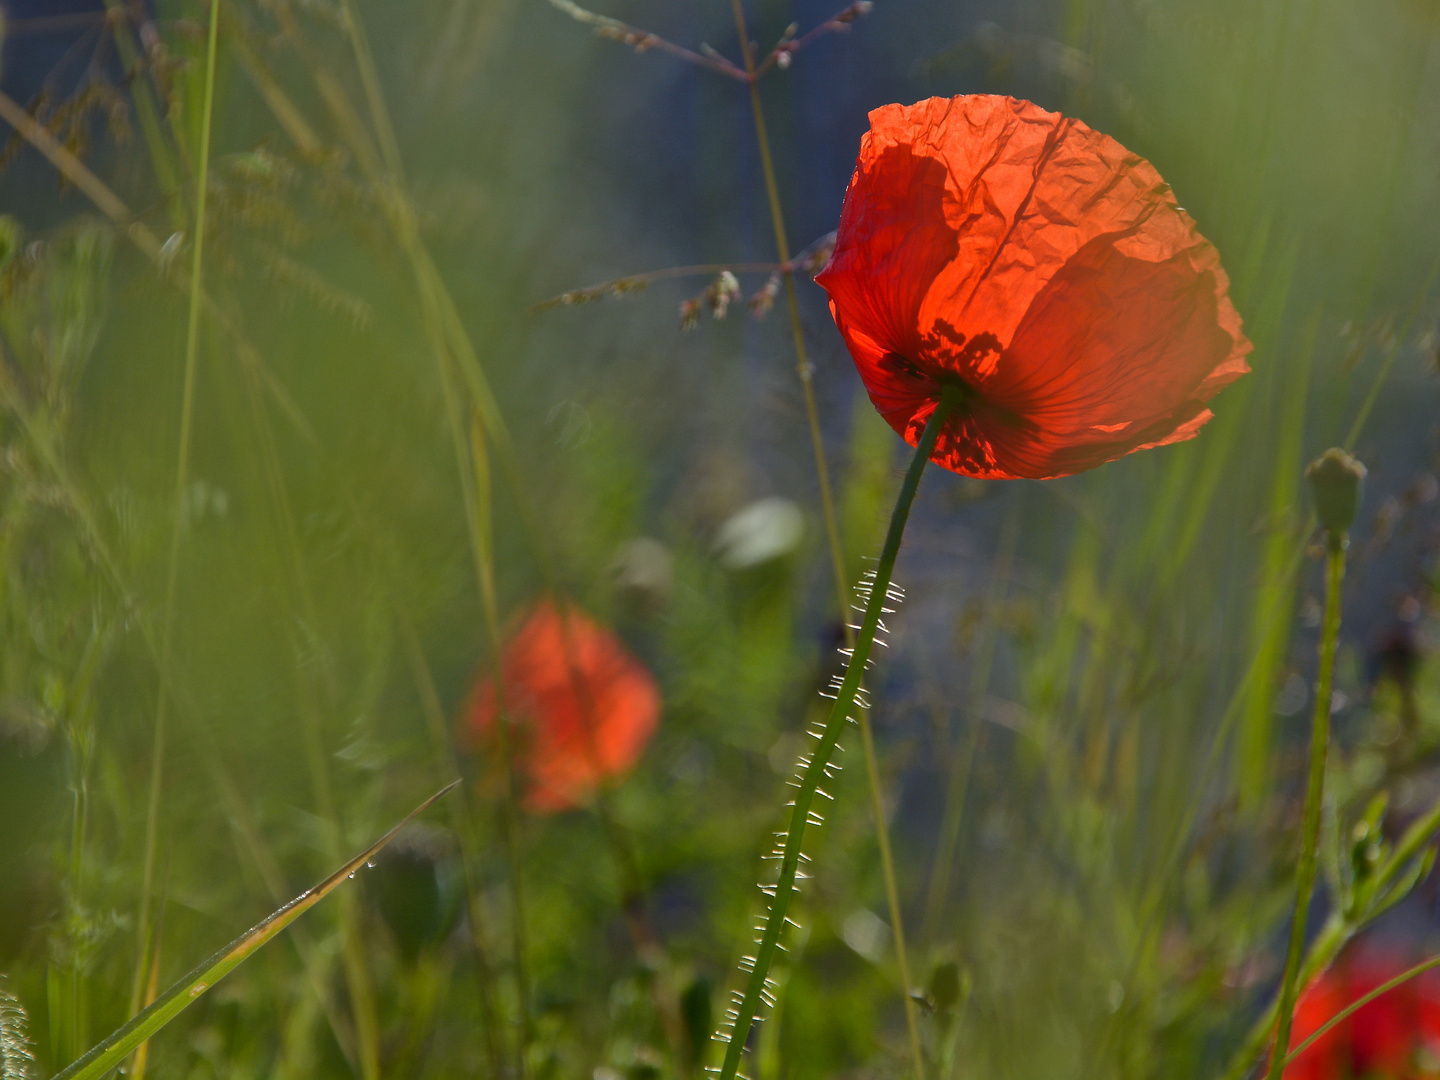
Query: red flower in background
[1387,1039]
[1385,1033]
[988,242]
[580,707]
[1327,1058]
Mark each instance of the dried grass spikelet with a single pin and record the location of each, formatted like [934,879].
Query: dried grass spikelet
[617,288]
[717,298]
[16,1057]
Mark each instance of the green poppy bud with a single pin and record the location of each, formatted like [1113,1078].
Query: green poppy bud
[1337,480]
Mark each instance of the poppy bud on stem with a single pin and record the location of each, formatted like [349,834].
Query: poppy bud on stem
[748,1011]
[1336,479]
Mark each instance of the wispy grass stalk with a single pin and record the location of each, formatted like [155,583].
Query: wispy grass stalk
[314,961]
[260,383]
[962,765]
[101,1059]
[450,344]
[462,819]
[1363,413]
[364,1042]
[804,370]
[357,973]
[167,620]
[162,159]
[789,850]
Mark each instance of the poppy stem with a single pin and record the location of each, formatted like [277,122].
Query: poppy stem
[840,712]
[1314,799]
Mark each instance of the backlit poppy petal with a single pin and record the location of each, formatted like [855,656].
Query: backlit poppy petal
[1328,1058]
[1386,1032]
[988,242]
[580,708]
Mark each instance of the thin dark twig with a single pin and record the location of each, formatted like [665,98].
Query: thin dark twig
[811,260]
[789,45]
[779,56]
[644,41]
[636,282]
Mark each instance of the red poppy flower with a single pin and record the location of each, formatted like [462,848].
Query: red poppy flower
[987,242]
[1380,1040]
[1427,990]
[580,707]
[1328,1058]
[1386,1032]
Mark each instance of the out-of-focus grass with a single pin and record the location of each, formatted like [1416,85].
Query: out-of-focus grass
[1119,849]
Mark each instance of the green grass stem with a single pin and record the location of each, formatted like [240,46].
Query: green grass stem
[187,403]
[961,766]
[114,1049]
[451,344]
[803,368]
[801,816]
[1314,800]
[1363,413]
[462,821]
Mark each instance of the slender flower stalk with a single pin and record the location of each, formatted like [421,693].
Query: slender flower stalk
[756,989]
[832,533]
[192,340]
[1336,479]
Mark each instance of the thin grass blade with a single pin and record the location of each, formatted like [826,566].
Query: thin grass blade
[108,1054]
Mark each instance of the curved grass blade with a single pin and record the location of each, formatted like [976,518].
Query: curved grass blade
[108,1054]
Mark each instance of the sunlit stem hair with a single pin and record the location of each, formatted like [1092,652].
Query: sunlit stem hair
[1336,479]
[747,1010]
[16,1056]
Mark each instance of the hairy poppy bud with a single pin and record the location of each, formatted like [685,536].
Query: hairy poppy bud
[1337,480]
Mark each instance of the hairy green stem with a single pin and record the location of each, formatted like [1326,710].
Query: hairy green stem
[832,532]
[187,402]
[1314,800]
[802,815]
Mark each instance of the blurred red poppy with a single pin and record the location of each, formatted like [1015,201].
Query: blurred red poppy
[1329,1057]
[987,242]
[580,708]
[1387,1039]
[1386,1032]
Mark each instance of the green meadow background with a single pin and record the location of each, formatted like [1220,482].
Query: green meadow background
[1091,716]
